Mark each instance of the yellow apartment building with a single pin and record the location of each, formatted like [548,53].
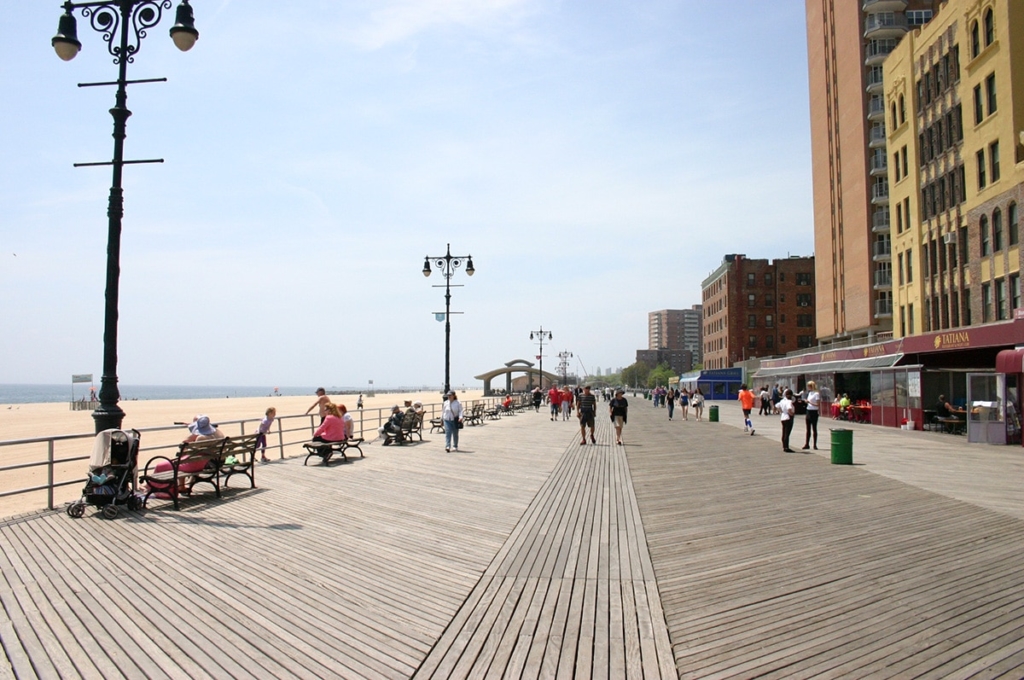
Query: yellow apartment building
[954,94]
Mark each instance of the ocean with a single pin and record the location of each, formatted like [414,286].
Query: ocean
[36,394]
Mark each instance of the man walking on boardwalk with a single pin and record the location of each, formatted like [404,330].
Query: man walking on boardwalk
[586,408]
[746,398]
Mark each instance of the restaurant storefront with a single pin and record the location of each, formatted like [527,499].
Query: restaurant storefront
[714,384]
[898,383]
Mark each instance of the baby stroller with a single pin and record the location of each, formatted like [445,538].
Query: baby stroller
[112,473]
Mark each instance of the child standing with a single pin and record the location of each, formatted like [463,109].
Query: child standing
[261,433]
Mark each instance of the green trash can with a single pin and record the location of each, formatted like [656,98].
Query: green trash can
[842,447]
[713,413]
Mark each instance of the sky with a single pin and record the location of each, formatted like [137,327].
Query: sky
[596,159]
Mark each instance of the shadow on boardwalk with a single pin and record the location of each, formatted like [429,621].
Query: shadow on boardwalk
[699,551]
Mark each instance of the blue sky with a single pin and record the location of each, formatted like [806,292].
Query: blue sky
[596,159]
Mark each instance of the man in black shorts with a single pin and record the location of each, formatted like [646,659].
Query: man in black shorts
[586,408]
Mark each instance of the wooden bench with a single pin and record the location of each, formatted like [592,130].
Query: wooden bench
[326,450]
[207,461]
[475,415]
[436,424]
[412,424]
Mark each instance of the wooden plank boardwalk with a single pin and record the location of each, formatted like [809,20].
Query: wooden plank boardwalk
[775,565]
[694,551]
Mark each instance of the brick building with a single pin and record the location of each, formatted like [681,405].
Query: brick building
[757,308]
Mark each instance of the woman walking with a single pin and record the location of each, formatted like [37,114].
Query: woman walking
[617,409]
[671,399]
[697,402]
[684,403]
[813,409]
[451,416]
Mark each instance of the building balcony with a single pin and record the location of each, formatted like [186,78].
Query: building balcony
[881,251]
[884,5]
[875,83]
[876,109]
[880,194]
[883,307]
[885,25]
[883,279]
[880,222]
[879,165]
[878,50]
[876,139]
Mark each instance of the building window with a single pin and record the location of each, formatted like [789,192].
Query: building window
[1015,291]
[903,320]
[1000,300]
[910,319]
[919,17]
[803,279]
[782,340]
[767,279]
[981,169]
[986,245]
[769,300]
[986,302]
[769,321]
[993,160]
[803,300]
[769,341]
[903,152]
[979,105]
[782,276]
[990,28]
[751,279]
[804,341]
[752,342]
[895,122]
[751,300]
[1011,215]
[903,110]
[782,318]
[804,320]
[752,321]
[975,40]
[990,92]
[782,297]
[997,230]
[899,268]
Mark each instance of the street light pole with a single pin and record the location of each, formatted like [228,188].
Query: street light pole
[541,335]
[563,363]
[127,21]
[447,264]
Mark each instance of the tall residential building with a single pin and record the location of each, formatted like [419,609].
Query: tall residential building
[847,42]
[665,329]
[757,308]
[955,108]
[693,323]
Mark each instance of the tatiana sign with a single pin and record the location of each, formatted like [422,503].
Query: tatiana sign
[953,340]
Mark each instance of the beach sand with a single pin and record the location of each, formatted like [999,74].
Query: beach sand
[30,421]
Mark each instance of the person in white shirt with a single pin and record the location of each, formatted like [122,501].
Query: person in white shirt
[786,412]
[813,409]
[451,418]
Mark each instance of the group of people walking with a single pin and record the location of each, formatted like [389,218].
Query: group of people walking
[668,398]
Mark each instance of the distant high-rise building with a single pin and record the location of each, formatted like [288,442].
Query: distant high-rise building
[847,42]
[693,323]
[665,329]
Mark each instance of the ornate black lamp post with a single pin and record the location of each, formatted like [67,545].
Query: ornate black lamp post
[563,363]
[447,264]
[540,336]
[123,24]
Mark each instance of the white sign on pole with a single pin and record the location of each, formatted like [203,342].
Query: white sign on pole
[914,385]
[81,378]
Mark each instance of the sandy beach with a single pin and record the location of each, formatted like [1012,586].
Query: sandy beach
[30,421]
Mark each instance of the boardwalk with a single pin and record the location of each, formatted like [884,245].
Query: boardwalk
[694,551]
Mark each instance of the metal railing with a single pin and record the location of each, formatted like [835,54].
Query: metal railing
[287,435]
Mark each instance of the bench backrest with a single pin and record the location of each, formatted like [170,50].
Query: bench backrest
[238,447]
[204,449]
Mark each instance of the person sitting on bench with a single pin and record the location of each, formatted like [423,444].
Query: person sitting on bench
[393,427]
[333,427]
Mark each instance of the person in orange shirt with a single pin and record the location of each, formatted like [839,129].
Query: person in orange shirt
[746,398]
